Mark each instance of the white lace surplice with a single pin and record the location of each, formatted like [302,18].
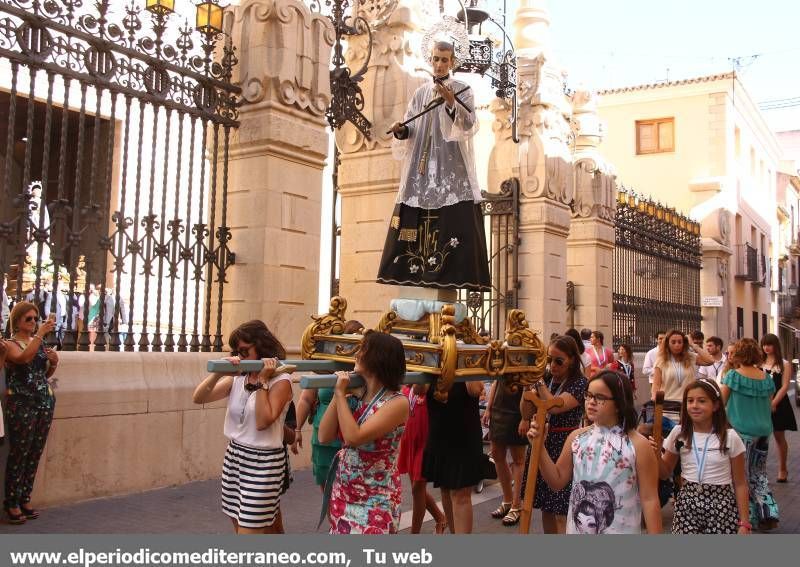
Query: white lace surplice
[450,173]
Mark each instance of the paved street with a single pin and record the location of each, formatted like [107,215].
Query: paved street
[194,508]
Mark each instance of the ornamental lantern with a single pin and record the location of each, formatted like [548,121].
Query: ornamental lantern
[209,17]
[160,7]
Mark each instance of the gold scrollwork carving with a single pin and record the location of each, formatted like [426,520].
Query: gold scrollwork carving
[416,358]
[449,354]
[475,360]
[330,324]
[466,331]
[347,350]
[518,334]
[386,322]
[496,358]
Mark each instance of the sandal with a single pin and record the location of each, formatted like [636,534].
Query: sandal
[513,516]
[441,527]
[16,519]
[502,510]
[29,513]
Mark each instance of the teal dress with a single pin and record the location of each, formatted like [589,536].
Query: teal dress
[750,414]
[322,453]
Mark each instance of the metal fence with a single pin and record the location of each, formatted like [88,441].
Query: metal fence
[115,173]
[488,309]
[657,261]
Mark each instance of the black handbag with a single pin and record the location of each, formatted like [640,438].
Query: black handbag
[488,470]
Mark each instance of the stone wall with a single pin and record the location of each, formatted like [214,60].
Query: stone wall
[125,423]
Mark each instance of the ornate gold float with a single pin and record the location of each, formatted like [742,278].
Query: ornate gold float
[449,351]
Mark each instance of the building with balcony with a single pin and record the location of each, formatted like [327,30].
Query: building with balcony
[703,146]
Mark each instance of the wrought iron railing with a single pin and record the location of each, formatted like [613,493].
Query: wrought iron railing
[115,172]
[657,261]
[488,310]
[746,262]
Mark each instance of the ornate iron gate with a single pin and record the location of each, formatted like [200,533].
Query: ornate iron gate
[657,261]
[115,173]
[488,309]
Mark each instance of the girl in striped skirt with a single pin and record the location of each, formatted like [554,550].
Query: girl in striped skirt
[256,466]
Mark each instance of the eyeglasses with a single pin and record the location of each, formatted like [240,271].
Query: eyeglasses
[243,351]
[30,318]
[558,361]
[597,398]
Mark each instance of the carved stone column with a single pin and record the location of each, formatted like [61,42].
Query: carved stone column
[590,247]
[544,171]
[276,161]
[718,263]
[369,176]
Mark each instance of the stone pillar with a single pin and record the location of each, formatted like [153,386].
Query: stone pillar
[718,263]
[545,173]
[590,247]
[369,176]
[276,160]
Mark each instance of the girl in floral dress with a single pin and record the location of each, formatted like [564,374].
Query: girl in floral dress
[613,468]
[364,490]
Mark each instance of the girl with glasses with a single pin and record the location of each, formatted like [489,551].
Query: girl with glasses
[255,471]
[29,406]
[613,469]
[564,378]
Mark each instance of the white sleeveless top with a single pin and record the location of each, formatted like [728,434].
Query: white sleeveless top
[240,419]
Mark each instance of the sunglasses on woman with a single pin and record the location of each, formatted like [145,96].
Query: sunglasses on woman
[557,361]
[30,318]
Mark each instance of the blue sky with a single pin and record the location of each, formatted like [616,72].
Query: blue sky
[610,43]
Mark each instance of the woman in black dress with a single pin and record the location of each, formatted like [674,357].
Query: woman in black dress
[564,378]
[453,459]
[503,416]
[783,420]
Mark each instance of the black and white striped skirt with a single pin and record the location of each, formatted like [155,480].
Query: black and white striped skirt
[252,484]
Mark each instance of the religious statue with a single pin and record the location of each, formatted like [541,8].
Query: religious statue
[436,235]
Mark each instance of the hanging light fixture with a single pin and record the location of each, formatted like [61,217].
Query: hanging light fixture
[209,17]
[160,7]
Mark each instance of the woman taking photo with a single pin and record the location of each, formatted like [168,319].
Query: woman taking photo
[780,371]
[675,368]
[29,406]
[564,379]
[256,465]
[365,488]
[613,469]
[747,392]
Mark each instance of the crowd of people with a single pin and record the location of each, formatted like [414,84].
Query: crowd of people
[601,472]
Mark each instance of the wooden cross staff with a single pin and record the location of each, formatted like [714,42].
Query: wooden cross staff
[658,414]
[543,408]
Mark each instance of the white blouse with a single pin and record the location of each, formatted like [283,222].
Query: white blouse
[240,419]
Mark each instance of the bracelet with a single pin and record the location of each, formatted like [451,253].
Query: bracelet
[36,337]
[298,430]
[745,524]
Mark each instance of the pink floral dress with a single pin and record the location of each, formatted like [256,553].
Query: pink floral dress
[365,496]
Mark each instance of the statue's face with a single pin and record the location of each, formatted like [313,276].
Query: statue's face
[441,61]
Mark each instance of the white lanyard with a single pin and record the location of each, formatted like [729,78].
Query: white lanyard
[597,356]
[374,401]
[701,462]
[678,369]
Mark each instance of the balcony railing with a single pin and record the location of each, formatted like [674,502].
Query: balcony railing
[762,277]
[746,262]
[788,306]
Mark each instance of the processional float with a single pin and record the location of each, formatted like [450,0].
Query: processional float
[439,351]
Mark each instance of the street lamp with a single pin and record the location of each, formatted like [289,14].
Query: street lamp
[160,7]
[209,17]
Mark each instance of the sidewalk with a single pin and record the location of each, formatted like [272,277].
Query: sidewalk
[194,508]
